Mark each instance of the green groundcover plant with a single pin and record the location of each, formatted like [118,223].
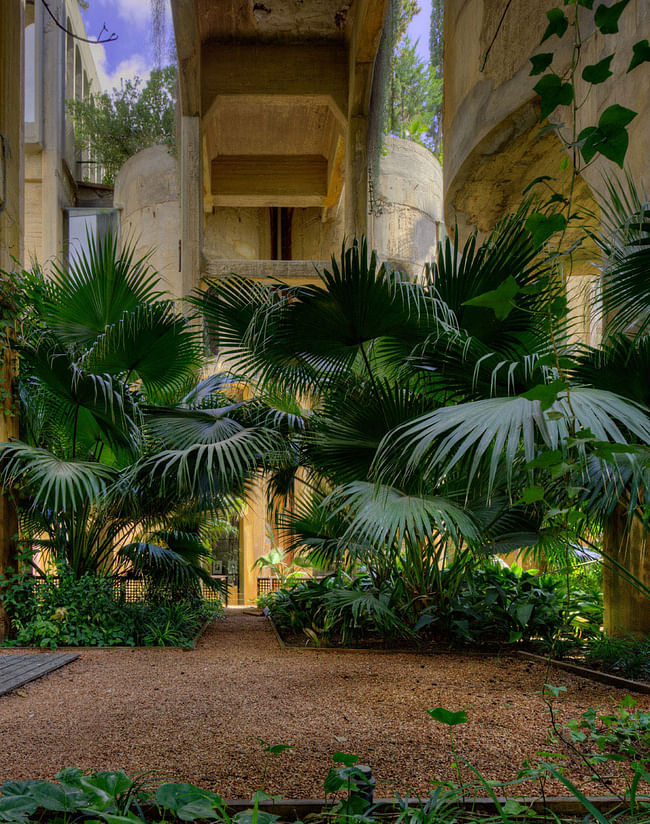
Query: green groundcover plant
[494,605]
[90,610]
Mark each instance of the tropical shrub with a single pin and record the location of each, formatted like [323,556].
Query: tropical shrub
[126,458]
[628,657]
[493,605]
[90,611]
[501,605]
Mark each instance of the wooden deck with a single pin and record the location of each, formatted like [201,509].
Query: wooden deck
[16,670]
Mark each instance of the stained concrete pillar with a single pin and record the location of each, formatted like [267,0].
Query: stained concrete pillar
[11,238]
[356,178]
[191,202]
[627,609]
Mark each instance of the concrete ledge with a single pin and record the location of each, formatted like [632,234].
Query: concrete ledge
[263,269]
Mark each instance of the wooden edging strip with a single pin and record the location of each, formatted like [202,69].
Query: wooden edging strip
[576,669]
[592,675]
[298,808]
[381,650]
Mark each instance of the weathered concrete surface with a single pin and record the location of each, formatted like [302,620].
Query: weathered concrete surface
[408,218]
[11,238]
[490,107]
[147,194]
[53,164]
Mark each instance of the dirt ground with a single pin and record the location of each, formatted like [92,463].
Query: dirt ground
[196,715]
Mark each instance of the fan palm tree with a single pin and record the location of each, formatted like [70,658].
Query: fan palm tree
[441,419]
[124,451]
[352,357]
[569,424]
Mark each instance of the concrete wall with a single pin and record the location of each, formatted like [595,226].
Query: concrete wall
[408,218]
[491,113]
[146,192]
[63,69]
[491,118]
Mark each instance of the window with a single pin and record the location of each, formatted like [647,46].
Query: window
[84,226]
[32,63]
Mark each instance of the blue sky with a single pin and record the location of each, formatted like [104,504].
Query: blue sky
[419,29]
[132,54]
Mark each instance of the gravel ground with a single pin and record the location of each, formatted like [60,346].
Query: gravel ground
[195,715]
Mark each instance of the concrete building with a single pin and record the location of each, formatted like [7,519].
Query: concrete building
[12,15]
[63,192]
[273,135]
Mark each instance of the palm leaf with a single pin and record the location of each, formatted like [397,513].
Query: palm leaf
[52,483]
[97,288]
[495,430]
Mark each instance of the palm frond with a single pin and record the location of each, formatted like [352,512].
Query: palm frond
[101,283]
[50,482]
[496,430]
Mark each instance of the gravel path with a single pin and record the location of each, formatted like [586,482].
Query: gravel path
[195,715]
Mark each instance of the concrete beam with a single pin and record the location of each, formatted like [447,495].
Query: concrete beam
[268,180]
[186,35]
[283,270]
[307,70]
[191,202]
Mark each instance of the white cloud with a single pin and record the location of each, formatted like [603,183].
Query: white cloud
[127,69]
[134,12]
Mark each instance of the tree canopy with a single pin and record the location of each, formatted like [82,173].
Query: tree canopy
[115,126]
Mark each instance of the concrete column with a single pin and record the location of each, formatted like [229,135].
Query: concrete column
[11,238]
[627,610]
[356,178]
[53,134]
[191,202]
[252,540]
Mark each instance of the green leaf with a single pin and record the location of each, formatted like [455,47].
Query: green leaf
[598,72]
[588,141]
[541,62]
[546,393]
[588,4]
[587,804]
[610,138]
[616,116]
[187,801]
[559,306]
[543,226]
[640,54]
[500,300]
[606,17]
[558,23]
[447,717]
[524,613]
[532,494]
[16,808]
[345,758]
[553,93]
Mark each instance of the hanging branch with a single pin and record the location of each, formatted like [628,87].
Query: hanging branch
[110,39]
[489,49]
